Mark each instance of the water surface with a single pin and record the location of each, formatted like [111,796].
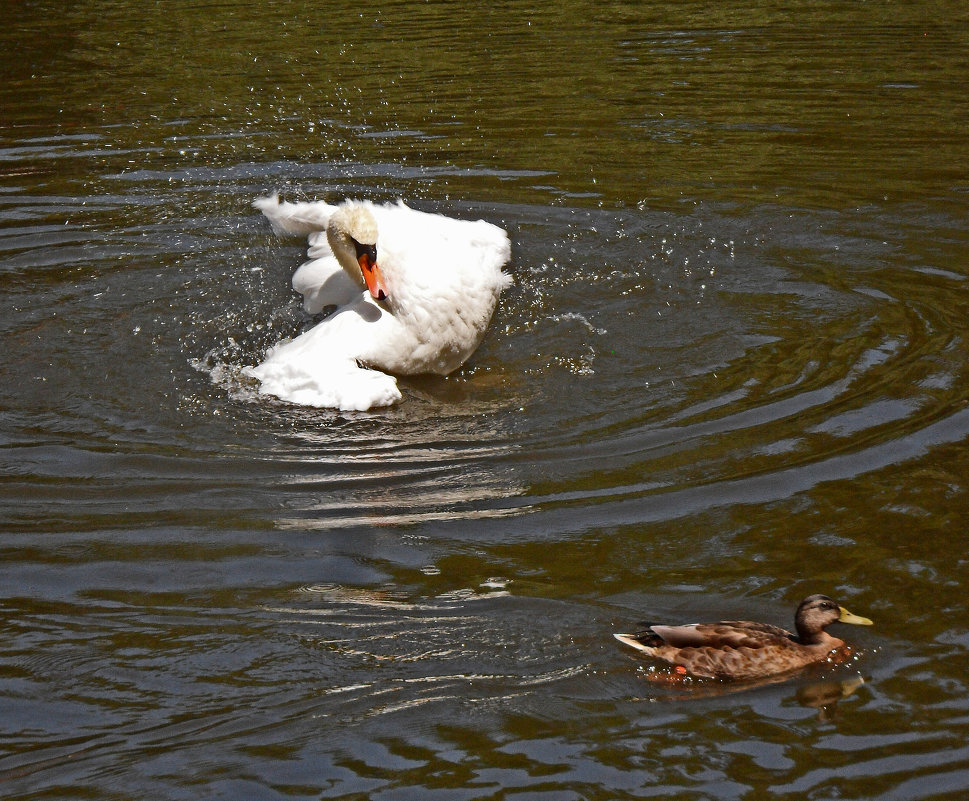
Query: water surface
[732,371]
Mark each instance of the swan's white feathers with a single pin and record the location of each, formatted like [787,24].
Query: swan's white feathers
[318,246]
[298,219]
[323,282]
[443,278]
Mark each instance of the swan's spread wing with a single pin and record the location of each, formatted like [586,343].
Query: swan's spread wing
[300,219]
[321,281]
[336,383]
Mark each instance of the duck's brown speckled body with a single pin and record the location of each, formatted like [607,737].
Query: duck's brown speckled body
[742,649]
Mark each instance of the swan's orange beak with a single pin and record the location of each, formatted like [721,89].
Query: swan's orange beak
[367,259]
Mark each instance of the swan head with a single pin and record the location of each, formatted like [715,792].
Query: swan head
[352,234]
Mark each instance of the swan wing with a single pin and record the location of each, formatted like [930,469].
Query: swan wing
[341,384]
[299,219]
[328,366]
[323,282]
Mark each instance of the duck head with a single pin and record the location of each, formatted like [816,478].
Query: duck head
[352,234]
[817,612]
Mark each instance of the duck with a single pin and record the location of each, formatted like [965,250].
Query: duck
[746,650]
[404,292]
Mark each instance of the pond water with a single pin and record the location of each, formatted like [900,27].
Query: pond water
[733,370]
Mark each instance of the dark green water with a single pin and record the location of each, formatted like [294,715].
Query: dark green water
[733,370]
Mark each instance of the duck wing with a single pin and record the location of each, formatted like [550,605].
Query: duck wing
[725,634]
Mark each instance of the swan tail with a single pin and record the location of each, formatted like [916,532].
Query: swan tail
[494,249]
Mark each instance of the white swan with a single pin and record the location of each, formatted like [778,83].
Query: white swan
[414,292]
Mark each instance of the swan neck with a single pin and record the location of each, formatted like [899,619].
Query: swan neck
[344,248]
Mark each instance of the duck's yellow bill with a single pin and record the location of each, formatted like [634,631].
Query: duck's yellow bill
[855,620]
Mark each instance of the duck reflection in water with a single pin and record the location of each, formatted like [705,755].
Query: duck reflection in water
[825,695]
[821,695]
